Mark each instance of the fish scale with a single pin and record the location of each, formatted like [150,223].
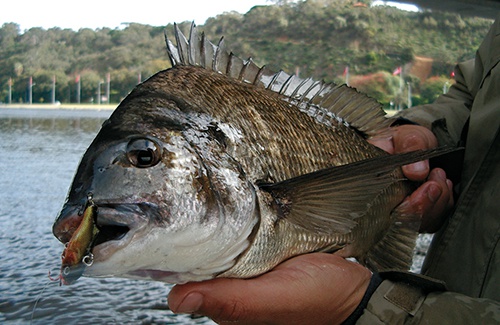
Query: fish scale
[271,120]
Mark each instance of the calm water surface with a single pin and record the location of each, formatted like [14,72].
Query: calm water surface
[39,153]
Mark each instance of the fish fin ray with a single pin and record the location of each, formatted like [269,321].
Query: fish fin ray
[195,46]
[221,58]
[396,249]
[182,45]
[328,201]
[173,53]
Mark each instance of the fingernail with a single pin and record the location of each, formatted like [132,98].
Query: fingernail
[440,173]
[417,167]
[191,303]
[433,193]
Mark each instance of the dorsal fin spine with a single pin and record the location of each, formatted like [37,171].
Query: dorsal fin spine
[274,80]
[296,90]
[243,70]
[171,50]
[286,84]
[316,98]
[182,44]
[203,50]
[235,66]
[259,74]
[194,46]
[314,84]
[221,57]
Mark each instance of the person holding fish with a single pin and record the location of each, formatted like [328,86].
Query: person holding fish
[248,188]
[462,268]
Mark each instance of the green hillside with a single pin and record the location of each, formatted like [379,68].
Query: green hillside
[313,38]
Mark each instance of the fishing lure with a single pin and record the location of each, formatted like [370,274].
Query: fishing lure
[77,253]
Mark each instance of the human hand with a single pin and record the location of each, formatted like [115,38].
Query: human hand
[315,288]
[406,138]
[434,198]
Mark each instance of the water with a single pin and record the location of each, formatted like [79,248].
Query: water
[39,153]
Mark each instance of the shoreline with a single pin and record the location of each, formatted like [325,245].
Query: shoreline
[95,107]
[59,106]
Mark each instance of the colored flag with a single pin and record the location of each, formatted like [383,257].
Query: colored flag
[452,74]
[346,71]
[77,79]
[397,71]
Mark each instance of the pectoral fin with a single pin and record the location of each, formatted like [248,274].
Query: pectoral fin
[329,201]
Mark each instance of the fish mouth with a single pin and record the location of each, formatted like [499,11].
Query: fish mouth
[117,223]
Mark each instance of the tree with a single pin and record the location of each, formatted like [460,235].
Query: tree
[432,88]
[318,38]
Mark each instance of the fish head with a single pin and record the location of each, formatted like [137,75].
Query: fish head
[172,204]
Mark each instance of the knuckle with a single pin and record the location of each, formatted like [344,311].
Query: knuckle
[415,141]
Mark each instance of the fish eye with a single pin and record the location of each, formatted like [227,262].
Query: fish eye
[143,153]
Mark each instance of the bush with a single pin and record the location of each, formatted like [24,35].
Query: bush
[433,87]
[381,85]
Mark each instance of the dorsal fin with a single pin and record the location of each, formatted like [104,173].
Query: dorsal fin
[327,102]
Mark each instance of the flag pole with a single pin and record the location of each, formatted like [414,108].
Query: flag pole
[108,84]
[78,89]
[54,89]
[30,90]
[10,90]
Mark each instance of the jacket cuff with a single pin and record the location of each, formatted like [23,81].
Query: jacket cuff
[375,281]
[398,298]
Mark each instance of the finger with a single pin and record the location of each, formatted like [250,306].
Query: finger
[410,138]
[216,299]
[431,201]
[417,171]
[440,202]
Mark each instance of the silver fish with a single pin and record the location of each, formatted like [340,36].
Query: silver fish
[218,168]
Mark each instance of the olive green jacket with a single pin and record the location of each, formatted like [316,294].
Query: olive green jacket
[465,253]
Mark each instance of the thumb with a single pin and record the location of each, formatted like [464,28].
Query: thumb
[315,288]
[218,299]
[414,137]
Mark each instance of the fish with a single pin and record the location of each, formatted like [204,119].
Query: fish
[216,167]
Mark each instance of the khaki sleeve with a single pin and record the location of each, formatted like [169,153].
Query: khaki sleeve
[414,299]
[447,116]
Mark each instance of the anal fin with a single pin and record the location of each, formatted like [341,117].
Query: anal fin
[396,248]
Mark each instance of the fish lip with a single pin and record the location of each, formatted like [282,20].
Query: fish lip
[132,217]
[122,214]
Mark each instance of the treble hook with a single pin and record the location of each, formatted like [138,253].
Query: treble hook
[88,202]
[88,259]
[90,199]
